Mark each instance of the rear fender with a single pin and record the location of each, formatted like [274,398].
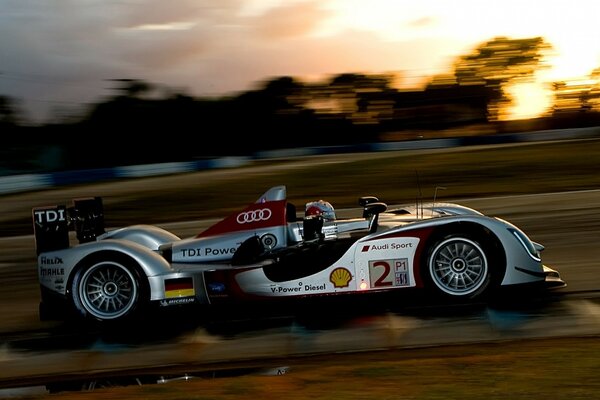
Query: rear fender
[148,236]
[57,268]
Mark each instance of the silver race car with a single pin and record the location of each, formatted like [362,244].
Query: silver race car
[266,251]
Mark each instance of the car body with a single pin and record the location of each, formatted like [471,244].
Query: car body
[265,251]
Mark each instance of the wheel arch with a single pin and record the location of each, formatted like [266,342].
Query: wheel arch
[483,235]
[127,261]
[149,262]
[90,258]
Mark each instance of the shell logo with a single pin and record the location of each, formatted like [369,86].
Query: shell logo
[340,277]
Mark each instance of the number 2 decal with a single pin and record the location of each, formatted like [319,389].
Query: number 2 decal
[385,273]
[381,281]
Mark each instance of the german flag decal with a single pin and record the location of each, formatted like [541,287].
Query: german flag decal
[180,287]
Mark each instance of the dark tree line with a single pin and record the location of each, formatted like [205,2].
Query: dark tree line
[138,124]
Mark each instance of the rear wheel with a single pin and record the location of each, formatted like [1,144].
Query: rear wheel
[107,289]
[457,266]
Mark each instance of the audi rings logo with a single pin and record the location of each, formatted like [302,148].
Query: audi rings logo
[254,216]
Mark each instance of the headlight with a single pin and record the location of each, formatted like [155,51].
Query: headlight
[526,243]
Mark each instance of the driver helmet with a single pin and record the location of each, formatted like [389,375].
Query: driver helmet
[320,207]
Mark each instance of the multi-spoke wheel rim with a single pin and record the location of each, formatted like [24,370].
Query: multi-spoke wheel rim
[108,290]
[458,266]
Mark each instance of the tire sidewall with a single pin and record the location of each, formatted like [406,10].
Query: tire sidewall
[117,259]
[484,284]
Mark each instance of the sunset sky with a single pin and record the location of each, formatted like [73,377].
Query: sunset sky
[56,56]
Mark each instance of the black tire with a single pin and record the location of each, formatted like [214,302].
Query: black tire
[458,266]
[108,288]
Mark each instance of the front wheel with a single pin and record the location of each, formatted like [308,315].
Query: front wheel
[107,290]
[458,267]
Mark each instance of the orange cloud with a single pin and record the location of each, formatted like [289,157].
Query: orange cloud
[293,20]
[160,12]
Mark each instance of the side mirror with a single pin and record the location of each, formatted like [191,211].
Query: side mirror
[373,209]
[363,201]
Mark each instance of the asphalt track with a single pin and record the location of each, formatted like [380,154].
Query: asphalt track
[568,224]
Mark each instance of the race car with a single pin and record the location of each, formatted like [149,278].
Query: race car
[266,251]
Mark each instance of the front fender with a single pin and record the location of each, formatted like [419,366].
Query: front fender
[520,265]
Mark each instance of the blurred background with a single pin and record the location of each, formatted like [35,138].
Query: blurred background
[97,84]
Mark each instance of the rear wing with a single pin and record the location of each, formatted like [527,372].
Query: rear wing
[51,225]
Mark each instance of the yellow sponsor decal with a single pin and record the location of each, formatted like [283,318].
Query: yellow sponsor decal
[180,293]
[340,277]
